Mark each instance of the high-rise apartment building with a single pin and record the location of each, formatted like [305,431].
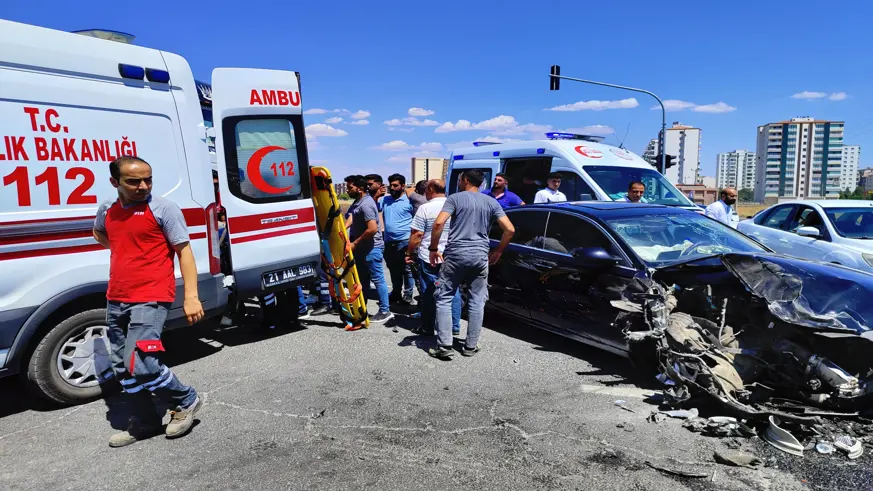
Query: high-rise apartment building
[427,168]
[849,166]
[735,169]
[650,154]
[683,142]
[800,158]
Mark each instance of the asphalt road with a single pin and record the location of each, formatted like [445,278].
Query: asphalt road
[321,408]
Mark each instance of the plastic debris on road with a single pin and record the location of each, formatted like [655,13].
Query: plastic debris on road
[851,446]
[782,439]
[738,459]
[825,448]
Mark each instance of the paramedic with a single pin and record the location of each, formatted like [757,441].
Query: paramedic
[143,234]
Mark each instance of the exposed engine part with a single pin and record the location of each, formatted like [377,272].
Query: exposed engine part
[833,376]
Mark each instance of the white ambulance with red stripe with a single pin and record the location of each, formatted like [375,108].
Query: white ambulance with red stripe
[69,105]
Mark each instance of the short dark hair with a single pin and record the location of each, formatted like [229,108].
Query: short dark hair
[555,175]
[357,180]
[500,174]
[421,187]
[374,177]
[634,183]
[397,177]
[115,165]
[473,176]
[437,186]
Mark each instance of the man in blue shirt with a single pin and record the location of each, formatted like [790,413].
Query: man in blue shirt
[397,214]
[504,196]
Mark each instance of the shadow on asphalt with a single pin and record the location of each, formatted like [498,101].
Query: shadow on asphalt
[182,345]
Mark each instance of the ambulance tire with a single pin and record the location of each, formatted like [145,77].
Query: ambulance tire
[42,370]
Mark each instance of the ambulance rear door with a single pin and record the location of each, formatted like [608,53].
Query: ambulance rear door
[263,173]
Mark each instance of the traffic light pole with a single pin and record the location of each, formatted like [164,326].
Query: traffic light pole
[661,139]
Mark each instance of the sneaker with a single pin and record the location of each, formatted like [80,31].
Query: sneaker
[456,333]
[321,310]
[181,420]
[407,298]
[136,431]
[303,315]
[470,351]
[441,352]
[381,317]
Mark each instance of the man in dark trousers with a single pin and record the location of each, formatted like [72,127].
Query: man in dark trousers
[397,216]
[466,259]
[143,234]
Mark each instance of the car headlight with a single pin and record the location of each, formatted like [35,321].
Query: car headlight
[869,259]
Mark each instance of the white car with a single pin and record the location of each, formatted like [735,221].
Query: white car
[833,231]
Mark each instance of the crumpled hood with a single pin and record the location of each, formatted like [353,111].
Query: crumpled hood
[810,294]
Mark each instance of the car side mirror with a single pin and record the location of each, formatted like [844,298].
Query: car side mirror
[809,232]
[593,257]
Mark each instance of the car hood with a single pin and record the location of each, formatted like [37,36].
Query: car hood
[816,295]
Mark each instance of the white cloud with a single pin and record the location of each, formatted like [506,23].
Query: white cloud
[320,129]
[490,139]
[341,111]
[315,110]
[629,103]
[717,108]
[314,145]
[410,121]
[404,130]
[361,114]
[501,122]
[360,122]
[838,96]
[399,158]
[333,120]
[417,111]
[809,95]
[595,129]
[400,145]
[677,105]
[524,129]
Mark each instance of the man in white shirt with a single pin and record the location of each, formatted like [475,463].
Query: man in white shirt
[635,192]
[721,210]
[551,193]
[422,227]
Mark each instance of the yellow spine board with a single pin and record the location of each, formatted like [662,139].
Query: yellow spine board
[336,255]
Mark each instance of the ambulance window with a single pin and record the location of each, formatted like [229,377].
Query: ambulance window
[266,158]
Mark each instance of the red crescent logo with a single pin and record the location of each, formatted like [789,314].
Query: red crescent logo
[254,170]
[591,153]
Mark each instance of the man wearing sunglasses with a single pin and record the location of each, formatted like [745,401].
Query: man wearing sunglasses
[144,234]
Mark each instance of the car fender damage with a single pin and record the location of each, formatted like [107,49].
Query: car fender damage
[755,336]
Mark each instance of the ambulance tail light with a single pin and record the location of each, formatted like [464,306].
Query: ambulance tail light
[212,237]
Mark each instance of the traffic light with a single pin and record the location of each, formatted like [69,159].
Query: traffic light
[554,81]
[669,161]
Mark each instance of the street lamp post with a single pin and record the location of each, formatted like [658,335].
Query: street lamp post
[555,77]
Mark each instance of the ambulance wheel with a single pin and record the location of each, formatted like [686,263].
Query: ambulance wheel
[66,365]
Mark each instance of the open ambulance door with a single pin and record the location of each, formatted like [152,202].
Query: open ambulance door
[263,174]
[489,168]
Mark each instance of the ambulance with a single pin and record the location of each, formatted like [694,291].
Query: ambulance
[589,169]
[69,105]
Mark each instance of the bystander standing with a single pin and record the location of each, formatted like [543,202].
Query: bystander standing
[722,210]
[466,259]
[397,216]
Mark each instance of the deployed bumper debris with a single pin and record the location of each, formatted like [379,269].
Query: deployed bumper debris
[757,336]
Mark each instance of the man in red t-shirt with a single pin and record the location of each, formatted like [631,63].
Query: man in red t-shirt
[143,234]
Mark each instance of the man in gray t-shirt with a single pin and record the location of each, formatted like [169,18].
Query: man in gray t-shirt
[466,258]
[367,244]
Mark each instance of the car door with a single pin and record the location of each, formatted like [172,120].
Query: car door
[770,228]
[813,248]
[513,280]
[573,298]
[264,178]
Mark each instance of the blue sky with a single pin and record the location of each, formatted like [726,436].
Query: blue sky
[422,65]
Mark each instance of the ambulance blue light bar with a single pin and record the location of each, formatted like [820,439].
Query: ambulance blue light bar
[458,157]
[541,151]
[130,71]
[496,154]
[482,144]
[573,136]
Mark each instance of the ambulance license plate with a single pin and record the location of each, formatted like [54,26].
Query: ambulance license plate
[287,275]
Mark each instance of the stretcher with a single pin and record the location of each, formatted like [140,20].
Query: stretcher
[337,259]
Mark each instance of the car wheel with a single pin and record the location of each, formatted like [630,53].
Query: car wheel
[67,363]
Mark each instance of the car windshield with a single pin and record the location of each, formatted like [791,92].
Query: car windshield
[663,239]
[614,182]
[852,223]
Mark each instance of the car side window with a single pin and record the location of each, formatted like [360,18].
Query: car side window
[575,188]
[566,232]
[778,218]
[528,226]
[807,217]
